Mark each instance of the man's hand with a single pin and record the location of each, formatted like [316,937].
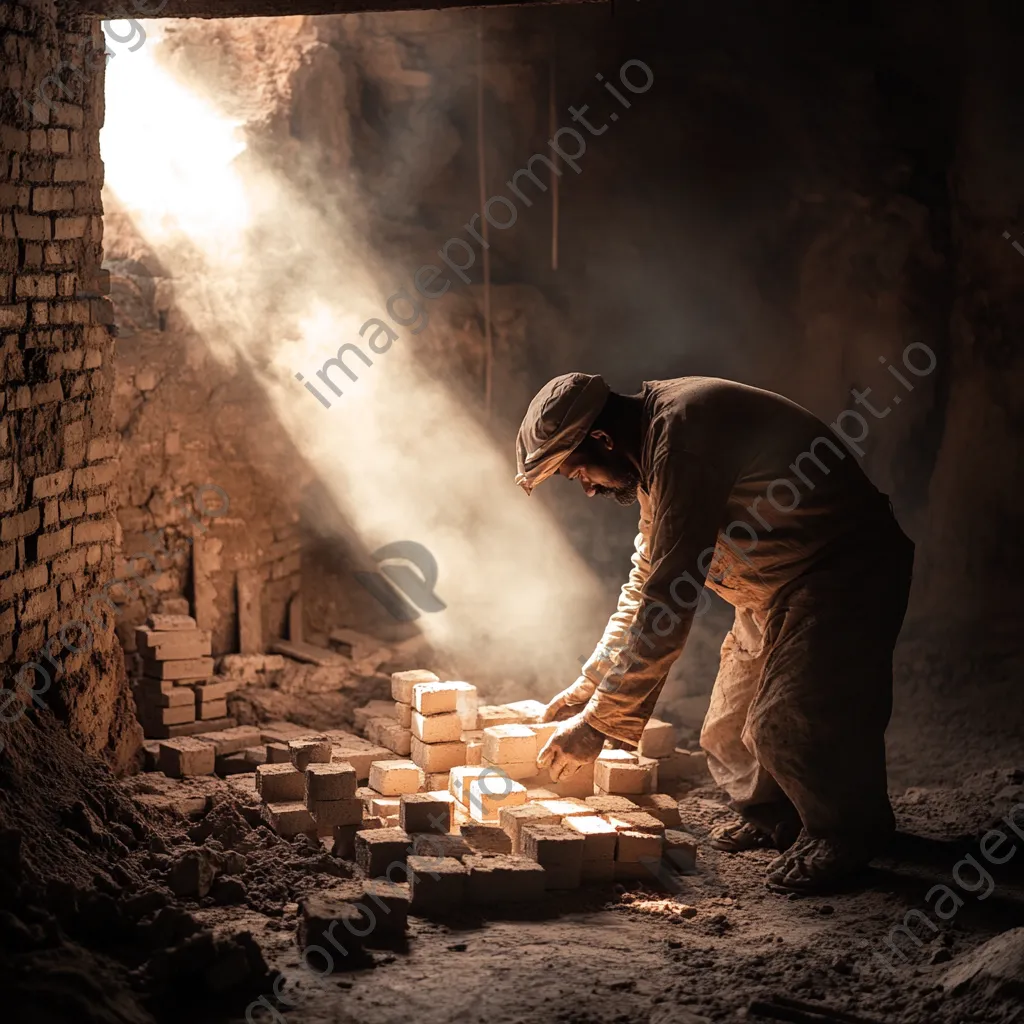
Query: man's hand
[570,700]
[574,744]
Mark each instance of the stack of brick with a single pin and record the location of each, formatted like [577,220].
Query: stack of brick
[389,781]
[177,693]
[311,793]
[436,719]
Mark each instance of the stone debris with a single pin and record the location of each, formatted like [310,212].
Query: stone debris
[395,777]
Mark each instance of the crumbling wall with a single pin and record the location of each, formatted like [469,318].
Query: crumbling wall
[58,450]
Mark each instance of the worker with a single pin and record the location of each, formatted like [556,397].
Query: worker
[744,492]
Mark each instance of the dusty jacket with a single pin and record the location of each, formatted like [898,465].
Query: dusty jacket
[739,487]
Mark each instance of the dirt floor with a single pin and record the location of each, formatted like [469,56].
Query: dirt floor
[110,868]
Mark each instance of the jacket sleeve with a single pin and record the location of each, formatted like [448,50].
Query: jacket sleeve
[616,634]
[688,505]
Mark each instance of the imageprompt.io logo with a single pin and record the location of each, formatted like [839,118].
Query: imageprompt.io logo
[406,581]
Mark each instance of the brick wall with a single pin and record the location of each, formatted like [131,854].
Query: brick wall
[58,531]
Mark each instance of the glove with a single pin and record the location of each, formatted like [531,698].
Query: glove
[575,743]
[569,700]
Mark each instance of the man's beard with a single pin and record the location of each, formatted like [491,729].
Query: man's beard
[624,495]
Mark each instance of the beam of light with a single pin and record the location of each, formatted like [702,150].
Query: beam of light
[274,283]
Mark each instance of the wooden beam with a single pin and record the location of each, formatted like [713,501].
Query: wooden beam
[276,8]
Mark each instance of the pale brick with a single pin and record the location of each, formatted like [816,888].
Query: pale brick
[509,744]
[599,836]
[444,728]
[496,714]
[662,806]
[437,757]
[440,697]
[395,777]
[403,682]
[490,792]
[459,779]
[636,847]
[658,739]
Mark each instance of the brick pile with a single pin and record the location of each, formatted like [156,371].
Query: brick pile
[177,693]
[499,831]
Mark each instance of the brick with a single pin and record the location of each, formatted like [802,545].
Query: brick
[437,698]
[211,709]
[599,872]
[662,806]
[329,814]
[377,850]
[403,714]
[70,564]
[389,733]
[566,807]
[32,226]
[314,750]
[173,645]
[162,694]
[21,524]
[437,885]
[515,818]
[599,836]
[403,682]
[171,623]
[70,509]
[496,714]
[345,841]
[485,837]
[501,878]
[509,744]
[374,709]
[620,776]
[543,731]
[529,711]
[13,316]
[49,545]
[329,923]
[189,668]
[386,906]
[579,784]
[70,169]
[153,718]
[385,807]
[360,754]
[658,738]
[394,777]
[434,844]
[490,792]
[278,753]
[96,533]
[522,771]
[278,783]
[436,780]
[185,756]
[213,692]
[289,819]
[559,850]
[680,850]
[635,821]
[51,391]
[101,475]
[437,757]
[684,766]
[39,605]
[443,728]
[474,750]
[634,847]
[333,781]
[102,448]
[459,779]
[426,812]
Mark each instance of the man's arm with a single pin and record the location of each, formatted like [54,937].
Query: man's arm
[688,500]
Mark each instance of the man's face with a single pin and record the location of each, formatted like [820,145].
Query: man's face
[601,469]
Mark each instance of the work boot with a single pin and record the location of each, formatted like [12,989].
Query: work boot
[818,865]
[742,836]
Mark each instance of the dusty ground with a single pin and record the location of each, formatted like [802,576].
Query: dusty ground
[600,955]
